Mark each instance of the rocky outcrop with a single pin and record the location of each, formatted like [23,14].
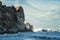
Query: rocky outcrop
[12,19]
[29,27]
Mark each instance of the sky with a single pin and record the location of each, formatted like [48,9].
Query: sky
[42,14]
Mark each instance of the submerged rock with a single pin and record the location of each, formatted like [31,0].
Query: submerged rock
[12,19]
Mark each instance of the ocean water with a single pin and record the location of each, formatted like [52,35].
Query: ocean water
[31,36]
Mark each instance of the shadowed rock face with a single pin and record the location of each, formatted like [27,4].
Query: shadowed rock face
[11,19]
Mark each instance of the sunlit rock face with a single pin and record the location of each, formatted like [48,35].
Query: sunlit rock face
[12,19]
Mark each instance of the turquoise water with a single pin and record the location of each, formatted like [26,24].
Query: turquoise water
[31,36]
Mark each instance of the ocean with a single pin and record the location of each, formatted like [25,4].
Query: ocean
[31,36]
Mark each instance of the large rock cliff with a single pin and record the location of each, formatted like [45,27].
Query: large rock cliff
[12,19]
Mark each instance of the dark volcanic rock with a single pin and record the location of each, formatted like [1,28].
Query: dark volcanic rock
[11,19]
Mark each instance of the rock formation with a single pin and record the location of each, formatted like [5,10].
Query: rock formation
[12,19]
[29,27]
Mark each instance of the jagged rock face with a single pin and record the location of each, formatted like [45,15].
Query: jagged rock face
[8,17]
[20,17]
[12,19]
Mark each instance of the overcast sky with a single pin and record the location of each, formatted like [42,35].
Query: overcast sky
[40,13]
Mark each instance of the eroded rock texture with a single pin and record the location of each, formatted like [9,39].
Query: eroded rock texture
[11,19]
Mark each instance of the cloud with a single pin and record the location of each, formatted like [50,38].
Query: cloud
[12,2]
[44,14]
